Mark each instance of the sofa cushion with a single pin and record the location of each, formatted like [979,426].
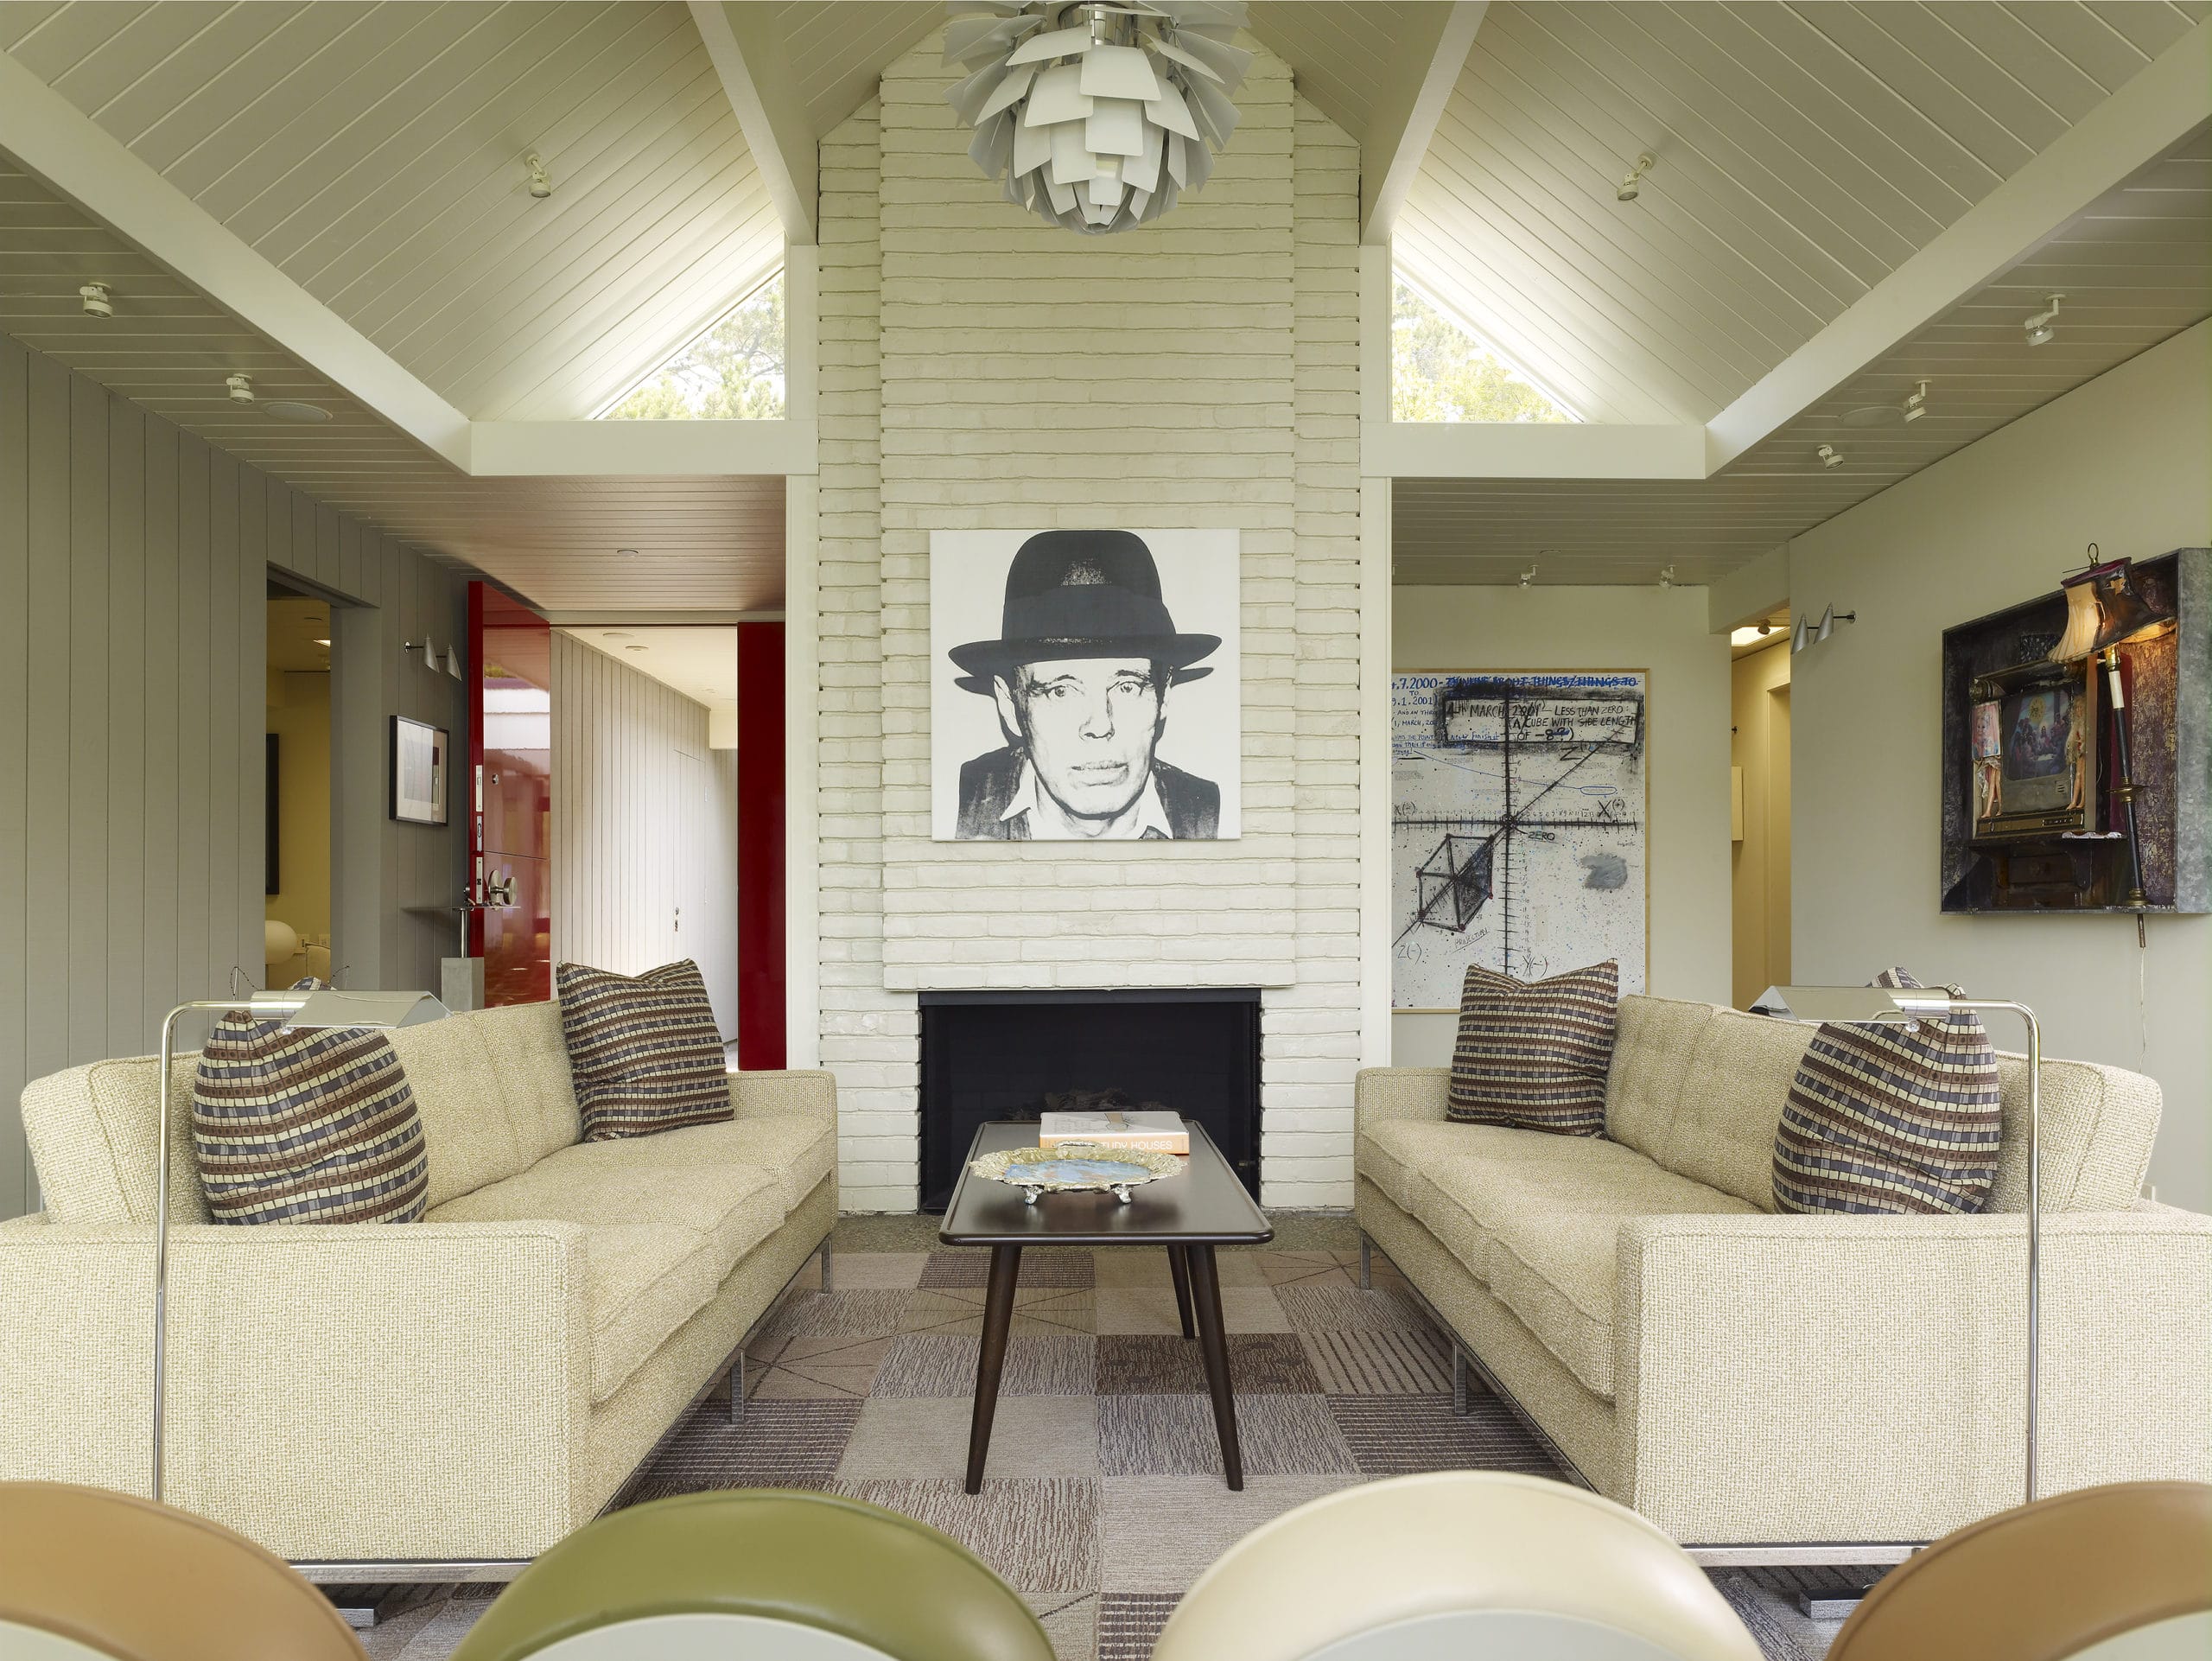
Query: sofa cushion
[1653,1041]
[799,1150]
[492,1088]
[642,1280]
[644,1049]
[1893,1118]
[720,1210]
[316,1125]
[1542,1234]
[1534,1053]
[1394,1154]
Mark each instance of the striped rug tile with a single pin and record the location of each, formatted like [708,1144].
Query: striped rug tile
[960,1310]
[1070,1621]
[1040,1534]
[1352,1361]
[1336,1309]
[813,1369]
[944,1364]
[1397,1435]
[1174,1436]
[1058,1266]
[1129,1623]
[779,1445]
[868,1313]
[1147,1363]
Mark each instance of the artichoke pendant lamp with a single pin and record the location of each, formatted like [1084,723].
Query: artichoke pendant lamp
[1097,116]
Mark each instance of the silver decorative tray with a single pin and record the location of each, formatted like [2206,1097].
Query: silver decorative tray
[1076,1168]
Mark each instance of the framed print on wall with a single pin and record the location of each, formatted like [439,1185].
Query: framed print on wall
[1083,686]
[1519,808]
[420,756]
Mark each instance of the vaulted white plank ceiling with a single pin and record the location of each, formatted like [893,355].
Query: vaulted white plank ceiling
[1803,151]
[374,154]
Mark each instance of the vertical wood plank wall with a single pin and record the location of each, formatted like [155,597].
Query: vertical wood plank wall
[628,845]
[134,561]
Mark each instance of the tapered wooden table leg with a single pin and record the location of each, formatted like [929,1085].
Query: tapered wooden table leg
[1205,1294]
[998,1318]
[1178,1262]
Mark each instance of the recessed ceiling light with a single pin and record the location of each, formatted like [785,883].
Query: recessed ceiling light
[286,408]
[616,634]
[637,648]
[1874,415]
[323,642]
[625,553]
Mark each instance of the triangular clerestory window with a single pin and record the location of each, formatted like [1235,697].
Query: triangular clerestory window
[732,371]
[1441,371]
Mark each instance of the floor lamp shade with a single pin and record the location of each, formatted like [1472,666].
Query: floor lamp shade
[1885,1003]
[300,1008]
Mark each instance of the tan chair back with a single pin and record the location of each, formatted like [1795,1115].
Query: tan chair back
[117,1576]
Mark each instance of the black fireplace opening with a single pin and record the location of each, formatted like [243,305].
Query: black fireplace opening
[998,1055]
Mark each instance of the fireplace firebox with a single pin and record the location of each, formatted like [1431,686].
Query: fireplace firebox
[998,1055]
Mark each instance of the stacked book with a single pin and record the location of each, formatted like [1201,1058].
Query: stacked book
[1161,1132]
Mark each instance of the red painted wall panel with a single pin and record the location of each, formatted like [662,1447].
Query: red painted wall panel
[760,845]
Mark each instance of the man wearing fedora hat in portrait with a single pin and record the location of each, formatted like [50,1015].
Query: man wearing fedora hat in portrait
[1085,658]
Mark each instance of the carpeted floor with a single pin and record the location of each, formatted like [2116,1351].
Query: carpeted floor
[1104,1499]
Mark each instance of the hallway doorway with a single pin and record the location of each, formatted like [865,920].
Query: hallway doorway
[1759,807]
[296,762]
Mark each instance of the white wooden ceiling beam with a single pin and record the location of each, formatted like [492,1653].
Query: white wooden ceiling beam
[1406,113]
[2166,101]
[66,150]
[748,54]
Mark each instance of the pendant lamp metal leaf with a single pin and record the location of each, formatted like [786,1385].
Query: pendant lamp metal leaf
[1096,116]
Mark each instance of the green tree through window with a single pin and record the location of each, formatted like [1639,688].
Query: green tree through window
[734,372]
[1440,372]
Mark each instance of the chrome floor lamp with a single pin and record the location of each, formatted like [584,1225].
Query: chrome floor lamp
[1900,1004]
[295,1009]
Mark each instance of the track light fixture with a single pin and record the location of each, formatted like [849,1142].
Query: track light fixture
[541,182]
[1666,576]
[1632,186]
[93,296]
[1830,455]
[241,388]
[2042,328]
[1529,577]
[1916,403]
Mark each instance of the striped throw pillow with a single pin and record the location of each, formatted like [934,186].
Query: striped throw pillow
[1534,1055]
[644,1049]
[1889,1117]
[313,1126]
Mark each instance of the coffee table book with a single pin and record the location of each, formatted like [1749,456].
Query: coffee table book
[1155,1132]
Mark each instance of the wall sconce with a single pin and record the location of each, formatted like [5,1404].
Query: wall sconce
[453,662]
[425,650]
[1809,633]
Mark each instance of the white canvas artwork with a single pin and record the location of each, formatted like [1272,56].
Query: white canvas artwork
[1517,828]
[1083,685]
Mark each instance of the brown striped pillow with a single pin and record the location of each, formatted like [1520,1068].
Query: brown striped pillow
[1534,1055]
[644,1049]
[1891,1117]
[314,1126]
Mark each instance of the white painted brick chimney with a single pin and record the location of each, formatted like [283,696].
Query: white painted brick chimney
[980,369]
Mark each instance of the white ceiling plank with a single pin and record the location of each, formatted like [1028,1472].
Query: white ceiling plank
[66,148]
[642,448]
[748,54]
[1535,449]
[1433,51]
[2153,112]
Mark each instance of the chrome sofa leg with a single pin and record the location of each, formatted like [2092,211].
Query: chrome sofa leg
[1366,1263]
[826,1264]
[1458,1381]
[737,1387]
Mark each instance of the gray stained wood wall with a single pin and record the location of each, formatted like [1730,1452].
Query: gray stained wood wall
[134,562]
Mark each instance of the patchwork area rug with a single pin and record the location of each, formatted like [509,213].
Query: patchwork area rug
[1104,1499]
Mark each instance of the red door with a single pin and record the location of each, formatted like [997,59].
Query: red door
[510,763]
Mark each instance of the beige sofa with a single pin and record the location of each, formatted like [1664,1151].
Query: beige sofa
[1744,1378]
[470,1387]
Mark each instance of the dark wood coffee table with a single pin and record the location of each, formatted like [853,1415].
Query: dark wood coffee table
[1190,1214]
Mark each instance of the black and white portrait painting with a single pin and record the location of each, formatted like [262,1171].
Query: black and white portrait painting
[1083,685]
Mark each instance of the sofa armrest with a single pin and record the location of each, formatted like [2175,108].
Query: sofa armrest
[375,1390]
[809,1092]
[1831,1377]
[1380,1093]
